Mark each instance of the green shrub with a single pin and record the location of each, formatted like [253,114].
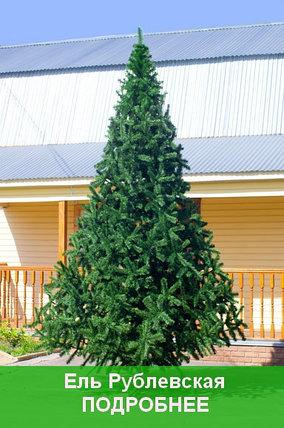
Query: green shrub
[16,342]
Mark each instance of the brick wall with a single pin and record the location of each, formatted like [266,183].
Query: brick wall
[250,354]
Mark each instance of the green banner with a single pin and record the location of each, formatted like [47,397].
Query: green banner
[142,397]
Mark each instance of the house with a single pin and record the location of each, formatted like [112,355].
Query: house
[225,87]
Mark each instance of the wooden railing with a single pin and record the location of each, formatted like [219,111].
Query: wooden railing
[21,291]
[261,292]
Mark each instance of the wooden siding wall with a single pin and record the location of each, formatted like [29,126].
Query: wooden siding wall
[249,232]
[242,188]
[42,193]
[29,233]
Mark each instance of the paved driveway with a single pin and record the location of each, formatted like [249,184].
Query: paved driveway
[56,360]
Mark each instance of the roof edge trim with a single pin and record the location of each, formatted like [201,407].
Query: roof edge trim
[126,36]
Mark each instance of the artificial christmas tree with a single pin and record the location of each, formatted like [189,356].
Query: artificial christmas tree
[143,284]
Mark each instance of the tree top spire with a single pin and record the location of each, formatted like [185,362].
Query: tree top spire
[140,37]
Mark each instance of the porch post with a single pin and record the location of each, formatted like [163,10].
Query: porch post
[62,230]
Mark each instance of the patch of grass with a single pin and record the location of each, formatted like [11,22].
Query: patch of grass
[16,342]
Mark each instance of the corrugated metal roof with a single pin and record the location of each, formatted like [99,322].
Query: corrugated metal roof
[258,153]
[49,161]
[257,39]
[211,99]
[205,155]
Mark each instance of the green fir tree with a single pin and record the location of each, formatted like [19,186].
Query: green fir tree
[143,284]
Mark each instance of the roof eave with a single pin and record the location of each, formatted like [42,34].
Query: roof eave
[194,178]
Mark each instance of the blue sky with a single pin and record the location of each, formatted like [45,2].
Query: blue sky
[30,21]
